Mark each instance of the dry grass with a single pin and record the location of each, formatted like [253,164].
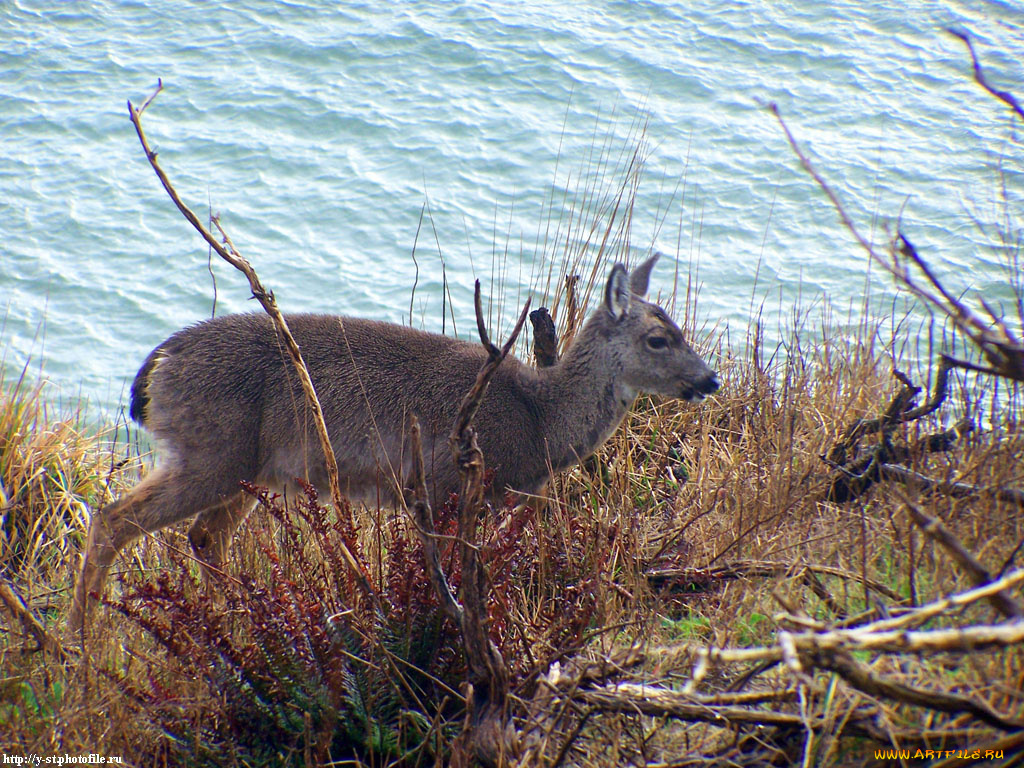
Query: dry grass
[696,528]
[734,481]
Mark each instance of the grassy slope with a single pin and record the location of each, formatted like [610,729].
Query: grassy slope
[738,478]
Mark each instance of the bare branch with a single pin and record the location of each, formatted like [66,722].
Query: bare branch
[15,604]
[1004,353]
[852,479]
[978,573]
[471,401]
[153,95]
[863,679]
[979,76]
[425,529]
[488,730]
[832,196]
[937,607]
[266,300]
[662,702]
[917,480]
[661,576]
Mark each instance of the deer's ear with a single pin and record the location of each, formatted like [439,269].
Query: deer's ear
[641,276]
[617,292]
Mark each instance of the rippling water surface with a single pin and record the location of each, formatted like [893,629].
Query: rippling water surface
[319,130]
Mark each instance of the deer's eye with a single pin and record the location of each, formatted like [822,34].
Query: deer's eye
[657,342]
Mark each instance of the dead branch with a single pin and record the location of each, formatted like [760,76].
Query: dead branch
[833,651]
[269,304]
[661,702]
[980,78]
[488,731]
[898,412]
[863,679]
[545,339]
[958,640]
[1003,352]
[917,480]
[586,685]
[17,607]
[920,615]
[425,529]
[667,698]
[877,637]
[934,528]
[727,710]
[699,578]
[852,477]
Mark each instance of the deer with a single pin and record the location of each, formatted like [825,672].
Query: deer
[225,408]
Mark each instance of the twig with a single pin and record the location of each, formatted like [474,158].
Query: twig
[15,604]
[897,412]
[840,209]
[917,480]
[269,304]
[1005,354]
[851,480]
[883,636]
[425,529]
[863,679]
[935,608]
[488,729]
[662,702]
[979,76]
[660,576]
[934,528]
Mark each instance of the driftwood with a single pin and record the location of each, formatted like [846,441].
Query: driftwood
[855,472]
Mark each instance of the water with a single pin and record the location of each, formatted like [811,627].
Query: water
[319,130]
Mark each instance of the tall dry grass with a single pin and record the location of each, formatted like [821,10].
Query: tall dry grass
[695,526]
[693,491]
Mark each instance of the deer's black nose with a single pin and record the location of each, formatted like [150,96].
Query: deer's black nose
[700,388]
[709,384]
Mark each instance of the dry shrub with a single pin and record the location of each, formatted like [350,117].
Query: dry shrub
[730,501]
[50,473]
[737,480]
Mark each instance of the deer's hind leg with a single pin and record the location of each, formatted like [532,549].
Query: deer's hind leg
[211,533]
[166,496]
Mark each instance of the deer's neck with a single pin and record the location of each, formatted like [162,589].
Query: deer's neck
[583,398]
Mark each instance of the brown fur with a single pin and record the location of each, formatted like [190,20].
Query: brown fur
[224,405]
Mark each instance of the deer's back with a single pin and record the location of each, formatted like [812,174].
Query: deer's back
[224,392]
